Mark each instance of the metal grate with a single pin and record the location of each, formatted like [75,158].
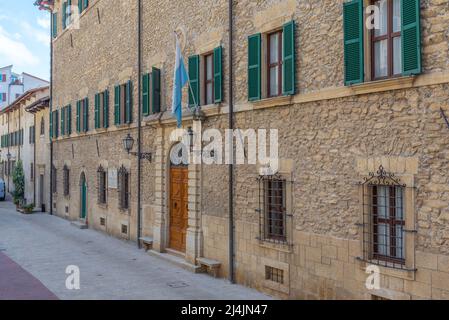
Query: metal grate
[66,178]
[272,209]
[274,274]
[101,177]
[384,220]
[123,188]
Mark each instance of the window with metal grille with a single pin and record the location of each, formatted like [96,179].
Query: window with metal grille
[384,220]
[32,171]
[101,177]
[274,274]
[53,179]
[42,126]
[123,188]
[66,178]
[273,215]
[124,229]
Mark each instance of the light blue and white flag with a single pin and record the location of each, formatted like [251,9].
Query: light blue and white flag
[180,79]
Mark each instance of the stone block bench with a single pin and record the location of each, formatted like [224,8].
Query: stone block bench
[210,265]
[147,243]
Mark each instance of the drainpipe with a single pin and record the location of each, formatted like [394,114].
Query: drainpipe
[51,109]
[34,161]
[231,165]
[139,122]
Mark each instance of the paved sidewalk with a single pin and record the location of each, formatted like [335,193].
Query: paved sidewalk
[45,245]
[17,284]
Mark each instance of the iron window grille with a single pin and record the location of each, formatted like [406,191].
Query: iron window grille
[273,209]
[384,220]
[274,274]
[101,176]
[66,176]
[123,188]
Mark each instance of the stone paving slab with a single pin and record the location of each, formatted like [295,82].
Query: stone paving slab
[110,268]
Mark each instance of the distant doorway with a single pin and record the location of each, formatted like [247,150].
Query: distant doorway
[41,192]
[83,197]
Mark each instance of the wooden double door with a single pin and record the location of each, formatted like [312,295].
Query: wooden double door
[179,176]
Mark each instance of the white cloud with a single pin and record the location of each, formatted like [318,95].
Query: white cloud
[44,22]
[39,35]
[15,52]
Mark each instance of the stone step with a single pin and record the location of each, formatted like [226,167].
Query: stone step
[176,260]
[79,224]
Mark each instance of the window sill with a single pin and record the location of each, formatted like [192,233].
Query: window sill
[283,247]
[102,205]
[271,102]
[124,211]
[101,130]
[383,85]
[406,274]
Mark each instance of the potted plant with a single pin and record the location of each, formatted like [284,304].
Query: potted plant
[28,209]
[18,178]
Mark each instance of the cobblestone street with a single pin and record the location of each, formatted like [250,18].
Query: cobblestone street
[35,251]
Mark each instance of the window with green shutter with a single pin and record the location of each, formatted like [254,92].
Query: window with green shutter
[254,67]
[353,41]
[86,114]
[146,94]
[289,61]
[63,121]
[106,109]
[194,76]
[129,102]
[117,100]
[411,37]
[78,116]
[97,111]
[156,90]
[64,15]
[218,76]
[69,119]
[54,21]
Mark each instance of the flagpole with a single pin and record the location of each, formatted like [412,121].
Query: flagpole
[188,81]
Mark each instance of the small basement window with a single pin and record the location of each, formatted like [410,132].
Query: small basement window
[274,274]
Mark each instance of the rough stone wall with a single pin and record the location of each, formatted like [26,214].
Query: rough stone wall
[324,140]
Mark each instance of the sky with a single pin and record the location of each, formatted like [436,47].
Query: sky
[25,38]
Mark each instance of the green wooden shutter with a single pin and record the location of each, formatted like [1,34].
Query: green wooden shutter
[54,21]
[106,109]
[145,94]
[56,126]
[353,41]
[51,125]
[69,119]
[97,111]
[64,15]
[78,116]
[86,115]
[62,121]
[289,61]
[85,4]
[129,102]
[117,105]
[218,76]
[194,76]
[156,90]
[411,37]
[254,67]
[80,6]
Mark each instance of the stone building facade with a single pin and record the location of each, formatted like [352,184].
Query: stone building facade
[362,182]
[40,111]
[17,133]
